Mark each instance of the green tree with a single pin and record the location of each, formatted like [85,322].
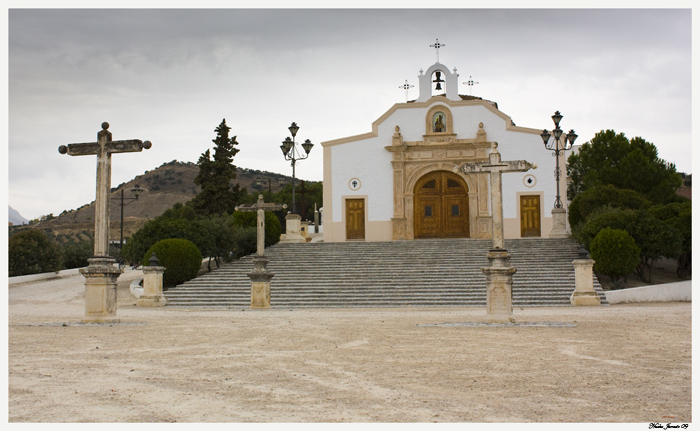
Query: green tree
[215,176]
[31,251]
[656,239]
[162,228]
[679,216]
[273,227]
[610,158]
[76,254]
[600,196]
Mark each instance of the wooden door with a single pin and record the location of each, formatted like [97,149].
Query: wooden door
[355,219]
[530,216]
[441,208]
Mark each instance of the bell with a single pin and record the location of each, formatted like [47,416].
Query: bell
[438,87]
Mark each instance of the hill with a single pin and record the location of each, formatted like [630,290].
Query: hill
[15,217]
[163,187]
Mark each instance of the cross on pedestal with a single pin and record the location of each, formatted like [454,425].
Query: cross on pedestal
[499,275]
[495,167]
[100,275]
[260,207]
[260,277]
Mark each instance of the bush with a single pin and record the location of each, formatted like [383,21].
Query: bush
[615,253]
[32,252]
[180,257]
[159,229]
[616,218]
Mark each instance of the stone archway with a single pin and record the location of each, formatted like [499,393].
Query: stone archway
[441,206]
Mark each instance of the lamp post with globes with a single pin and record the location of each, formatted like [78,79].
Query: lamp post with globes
[559,146]
[291,153]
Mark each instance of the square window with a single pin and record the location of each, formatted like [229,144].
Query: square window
[455,210]
[428,211]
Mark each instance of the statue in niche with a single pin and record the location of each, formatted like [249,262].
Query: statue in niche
[439,124]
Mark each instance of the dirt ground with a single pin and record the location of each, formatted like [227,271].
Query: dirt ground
[620,363]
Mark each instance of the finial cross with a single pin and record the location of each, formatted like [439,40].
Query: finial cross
[470,83]
[437,45]
[406,86]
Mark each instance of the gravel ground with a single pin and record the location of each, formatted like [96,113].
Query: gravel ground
[621,363]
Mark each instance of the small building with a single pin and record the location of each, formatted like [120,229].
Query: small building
[400,181]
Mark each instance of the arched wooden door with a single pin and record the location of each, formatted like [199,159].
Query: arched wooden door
[441,208]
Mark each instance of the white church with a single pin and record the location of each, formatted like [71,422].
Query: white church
[401,180]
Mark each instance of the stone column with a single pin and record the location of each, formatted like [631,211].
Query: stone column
[293,229]
[584,294]
[152,287]
[559,224]
[260,283]
[100,290]
[499,287]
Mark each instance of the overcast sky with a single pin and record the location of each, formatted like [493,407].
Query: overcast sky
[171,76]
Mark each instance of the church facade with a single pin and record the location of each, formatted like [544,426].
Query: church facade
[401,180]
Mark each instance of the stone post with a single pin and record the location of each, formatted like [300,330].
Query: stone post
[100,290]
[559,224]
[152,285]
[260,283]
[584,294]
[293,229]
[499,287]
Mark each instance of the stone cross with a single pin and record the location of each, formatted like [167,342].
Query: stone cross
[495,167]
[103,148]
[261,207]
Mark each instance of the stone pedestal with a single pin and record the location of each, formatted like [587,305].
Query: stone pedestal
[260,283]
[293,232]
[559,224]
[499,287]
[584,294]
[101,290]
[152,287]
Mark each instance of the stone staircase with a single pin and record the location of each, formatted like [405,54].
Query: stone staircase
[440,272]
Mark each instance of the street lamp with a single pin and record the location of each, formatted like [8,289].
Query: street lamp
[136,191]
[291,153]
[558,146]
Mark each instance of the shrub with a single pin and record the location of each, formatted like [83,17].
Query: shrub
[32,252]
[76,254]
[159,229]
[615,253]
[616,218]
[180,257]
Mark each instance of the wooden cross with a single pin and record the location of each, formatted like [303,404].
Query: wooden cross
[406,86]
[103,148]
[437,45]
[261,207]
[495,167]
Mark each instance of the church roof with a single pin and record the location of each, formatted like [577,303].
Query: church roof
[464,97]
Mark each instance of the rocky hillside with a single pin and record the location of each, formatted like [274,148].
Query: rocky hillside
[163,187]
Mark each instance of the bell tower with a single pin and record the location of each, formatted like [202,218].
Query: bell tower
[439,75]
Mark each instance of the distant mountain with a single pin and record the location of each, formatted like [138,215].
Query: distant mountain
[15,218]
[163,187]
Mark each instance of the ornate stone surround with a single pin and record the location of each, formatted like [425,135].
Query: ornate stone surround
[438,151]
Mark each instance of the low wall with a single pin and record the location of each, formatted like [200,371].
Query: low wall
[43,276]
[670,292]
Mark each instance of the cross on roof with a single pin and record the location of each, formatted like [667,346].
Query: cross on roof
[437,45]
[406,86]
[470,83]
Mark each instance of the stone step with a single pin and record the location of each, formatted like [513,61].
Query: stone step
[401,273]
